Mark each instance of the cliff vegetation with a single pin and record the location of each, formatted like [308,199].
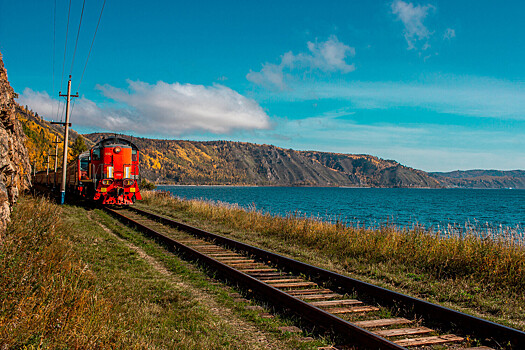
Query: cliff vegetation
[41,137]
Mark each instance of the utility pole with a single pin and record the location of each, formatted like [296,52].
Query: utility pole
[56,162]
[47,170]
[66,137]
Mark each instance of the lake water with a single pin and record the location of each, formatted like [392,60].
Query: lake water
[484,209]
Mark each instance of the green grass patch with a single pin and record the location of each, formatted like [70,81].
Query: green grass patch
[198,280]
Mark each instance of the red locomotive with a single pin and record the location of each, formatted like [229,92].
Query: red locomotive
[108,173]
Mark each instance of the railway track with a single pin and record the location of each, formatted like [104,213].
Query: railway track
[356,311]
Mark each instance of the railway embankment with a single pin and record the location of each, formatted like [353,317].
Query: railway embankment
[482,276]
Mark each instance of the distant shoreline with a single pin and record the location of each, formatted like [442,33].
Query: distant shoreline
[357,187]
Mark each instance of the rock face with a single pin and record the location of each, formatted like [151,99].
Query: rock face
[15,170]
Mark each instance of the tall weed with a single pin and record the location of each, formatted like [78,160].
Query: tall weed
[493,260]
[47,298]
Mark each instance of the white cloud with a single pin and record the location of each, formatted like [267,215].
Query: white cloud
[270,76]
[449,34]
[40,102]
[459,95]
[162,109]
[327,56]
[413,17]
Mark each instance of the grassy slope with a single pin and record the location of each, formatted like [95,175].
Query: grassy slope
[74,278]
[483,277]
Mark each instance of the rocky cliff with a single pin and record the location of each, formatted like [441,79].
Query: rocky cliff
[14,163]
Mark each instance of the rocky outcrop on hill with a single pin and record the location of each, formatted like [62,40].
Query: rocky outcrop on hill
[15,170]
[242,163]
[366,170]
[482,179]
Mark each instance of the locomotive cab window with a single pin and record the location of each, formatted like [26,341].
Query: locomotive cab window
[84,164]
[134,155]
[96,154]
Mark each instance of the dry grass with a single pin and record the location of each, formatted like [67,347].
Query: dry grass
[490,260]
[47,298]
[67,282]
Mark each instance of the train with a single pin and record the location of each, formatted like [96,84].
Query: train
[108,173]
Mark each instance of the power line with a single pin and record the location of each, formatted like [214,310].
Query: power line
[78,34]
[65,49]
[54,49]
[91,47]
[65,46]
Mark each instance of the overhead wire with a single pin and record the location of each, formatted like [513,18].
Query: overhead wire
[78,34]
[91,47]
[61,105]
[89,53]
[54,43]
[65,50]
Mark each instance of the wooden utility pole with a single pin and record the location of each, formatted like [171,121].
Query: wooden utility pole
[56,162]
[47,170]
[66,139]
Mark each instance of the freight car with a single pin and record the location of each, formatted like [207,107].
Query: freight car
[108,173]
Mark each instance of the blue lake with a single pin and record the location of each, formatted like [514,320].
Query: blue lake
[375,206]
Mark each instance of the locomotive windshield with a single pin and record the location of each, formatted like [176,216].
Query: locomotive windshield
[96,153]
[84,164]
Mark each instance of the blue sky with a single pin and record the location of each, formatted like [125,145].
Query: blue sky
[435,85]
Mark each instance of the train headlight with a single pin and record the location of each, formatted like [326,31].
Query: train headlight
[107,182]
[128,182]
[117,150]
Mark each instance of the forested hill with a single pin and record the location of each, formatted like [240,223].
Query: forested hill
[41,136]
[240,163]
[482,179]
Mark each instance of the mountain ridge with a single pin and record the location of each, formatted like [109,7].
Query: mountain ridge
[243,163]
[479,178]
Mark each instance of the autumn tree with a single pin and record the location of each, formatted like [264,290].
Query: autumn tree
[78,146]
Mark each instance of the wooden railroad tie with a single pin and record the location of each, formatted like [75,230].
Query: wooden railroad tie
[283,280]
[269,269]
[314,297]
[310,291]
[273,278]
[351,310]
[328,303]
[294,285]
[235,260]
[403,331]
[438,339]
[382,322]
[225,255]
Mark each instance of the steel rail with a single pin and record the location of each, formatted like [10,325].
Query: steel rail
[317,316]
[468,324]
